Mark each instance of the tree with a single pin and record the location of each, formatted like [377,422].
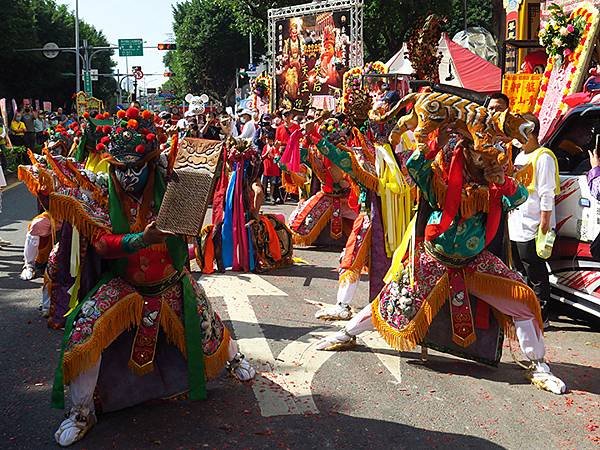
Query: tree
[212,34]
[31,24]
[209,49]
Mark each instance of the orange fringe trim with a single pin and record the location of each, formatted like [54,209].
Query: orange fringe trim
[64,208]
[473,201]
[63,178]
[501,287]
[416,330]
[125,314]
[352,274]
[307,239]
[88,185]
[175,332]
[31,182]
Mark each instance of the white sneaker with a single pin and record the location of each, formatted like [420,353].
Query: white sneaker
[541,377]
[334,312]
[75,427]
[339,341]
[240,368]
[28,273]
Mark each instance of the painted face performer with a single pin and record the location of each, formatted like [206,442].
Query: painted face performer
[464,184]
[178,340]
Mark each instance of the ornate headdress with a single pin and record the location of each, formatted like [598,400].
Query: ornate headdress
[133,140]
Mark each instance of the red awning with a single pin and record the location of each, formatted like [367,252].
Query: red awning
[474,72]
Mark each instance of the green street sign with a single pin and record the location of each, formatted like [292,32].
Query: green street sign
[87,82]
[131,47]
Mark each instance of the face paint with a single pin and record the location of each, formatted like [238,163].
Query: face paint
[132,180]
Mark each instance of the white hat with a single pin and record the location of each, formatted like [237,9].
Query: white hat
[247,111]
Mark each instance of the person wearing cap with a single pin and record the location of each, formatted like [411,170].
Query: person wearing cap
[248,124]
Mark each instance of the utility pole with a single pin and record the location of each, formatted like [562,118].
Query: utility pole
[465,7]
[77,64]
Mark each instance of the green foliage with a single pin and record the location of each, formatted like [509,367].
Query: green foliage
[479,13]
[14,157]
[31,24]
[212,35]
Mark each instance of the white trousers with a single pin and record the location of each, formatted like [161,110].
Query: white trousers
[530,339]
[30,249]
[346,292]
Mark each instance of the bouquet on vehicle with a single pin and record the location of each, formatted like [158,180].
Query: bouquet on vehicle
[562,33]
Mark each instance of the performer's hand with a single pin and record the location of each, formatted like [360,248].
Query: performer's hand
[152,235]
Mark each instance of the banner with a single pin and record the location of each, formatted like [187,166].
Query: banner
[522,90]
[47,106]
[312,54]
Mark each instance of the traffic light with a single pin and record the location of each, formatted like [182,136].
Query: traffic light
[167,46]
[169,74]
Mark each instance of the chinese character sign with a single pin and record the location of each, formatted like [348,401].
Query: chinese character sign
[312,55]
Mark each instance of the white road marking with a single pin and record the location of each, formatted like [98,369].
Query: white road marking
[283,384]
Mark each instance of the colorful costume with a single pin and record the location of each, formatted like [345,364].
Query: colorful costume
[244,239]
[144,284]
[450,269]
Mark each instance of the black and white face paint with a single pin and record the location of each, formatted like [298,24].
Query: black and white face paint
[132,179]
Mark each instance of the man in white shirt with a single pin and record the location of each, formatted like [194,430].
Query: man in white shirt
[536,212]
[249,127]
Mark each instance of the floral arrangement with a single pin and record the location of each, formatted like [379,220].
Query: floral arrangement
[589,19]
[562,33]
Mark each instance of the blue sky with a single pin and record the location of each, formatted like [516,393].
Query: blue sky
[150,20]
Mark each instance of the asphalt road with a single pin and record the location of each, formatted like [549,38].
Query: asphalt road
[370,397]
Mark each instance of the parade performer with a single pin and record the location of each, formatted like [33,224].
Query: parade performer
[386,205]
[244,239]
[464,183]
[94,126]
[145,284]
[336,203]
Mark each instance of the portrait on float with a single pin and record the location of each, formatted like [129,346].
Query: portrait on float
[312,55]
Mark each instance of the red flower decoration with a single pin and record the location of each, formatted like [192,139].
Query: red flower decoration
[119,130]
[140,149]
[150,137]
[100,147]
[106,114]
[132,123]
[132,113]
[105,140]
[86,115]
[106,129]
[99,117]
[146,114]
[121,114]
[98,129]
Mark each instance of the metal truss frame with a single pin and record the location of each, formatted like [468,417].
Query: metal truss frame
[356,27]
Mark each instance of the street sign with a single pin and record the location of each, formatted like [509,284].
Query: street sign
[151,91]
[138,74]
[131,47]
[87,82]
[94,74]
[50,50]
